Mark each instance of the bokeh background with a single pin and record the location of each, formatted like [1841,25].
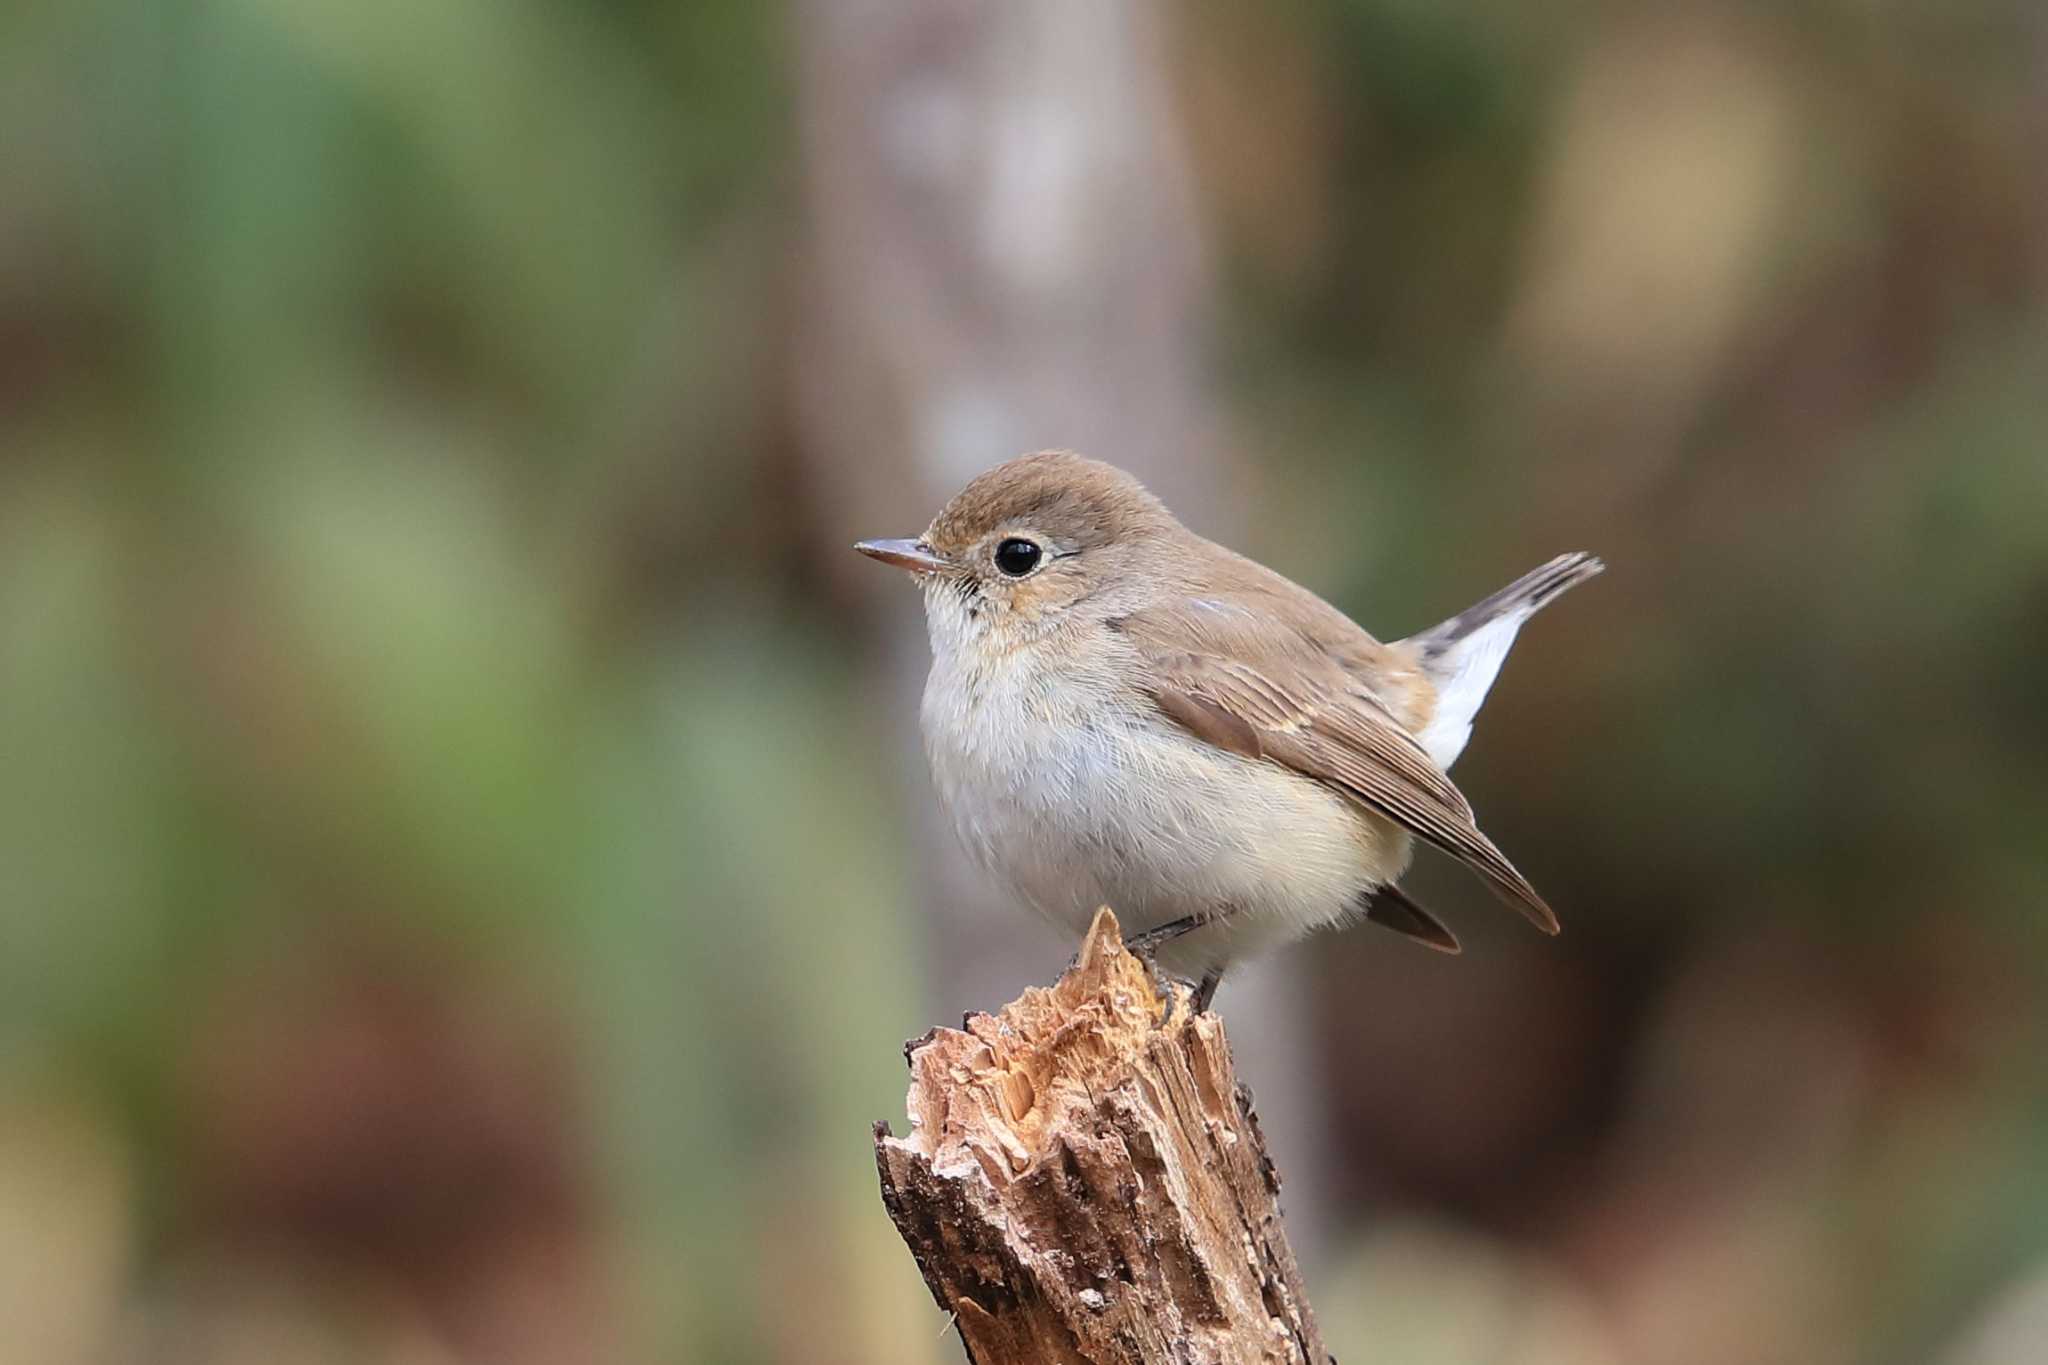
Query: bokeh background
[465,867]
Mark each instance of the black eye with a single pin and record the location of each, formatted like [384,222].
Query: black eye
[1017,557]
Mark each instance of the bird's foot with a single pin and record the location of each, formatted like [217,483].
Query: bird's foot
[1145,947]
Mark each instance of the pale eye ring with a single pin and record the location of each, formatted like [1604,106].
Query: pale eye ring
[1017,556]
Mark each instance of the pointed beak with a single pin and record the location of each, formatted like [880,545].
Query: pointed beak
[913,555]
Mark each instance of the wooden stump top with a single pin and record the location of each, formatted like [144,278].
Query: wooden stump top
[1085,1181]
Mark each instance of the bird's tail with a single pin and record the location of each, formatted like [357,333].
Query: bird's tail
[1463,656]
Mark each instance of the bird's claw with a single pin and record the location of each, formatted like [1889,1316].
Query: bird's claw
[1145,948]
[1168,987]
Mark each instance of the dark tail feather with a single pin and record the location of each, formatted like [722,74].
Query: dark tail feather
[1529,593]
[1390,908]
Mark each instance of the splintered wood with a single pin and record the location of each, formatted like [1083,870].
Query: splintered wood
[1084,1181]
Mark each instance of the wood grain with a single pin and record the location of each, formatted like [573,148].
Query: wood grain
[1084,1181]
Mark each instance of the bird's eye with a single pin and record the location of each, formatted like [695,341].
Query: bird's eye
[1017,557]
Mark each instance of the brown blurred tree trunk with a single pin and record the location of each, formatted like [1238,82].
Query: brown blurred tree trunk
[1084,1186]
[1007,256]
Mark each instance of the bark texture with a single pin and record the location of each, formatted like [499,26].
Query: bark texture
[1085,1183]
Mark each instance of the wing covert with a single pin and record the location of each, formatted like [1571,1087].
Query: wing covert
[1301,709]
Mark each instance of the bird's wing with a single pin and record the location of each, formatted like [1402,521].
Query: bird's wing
[1301,709]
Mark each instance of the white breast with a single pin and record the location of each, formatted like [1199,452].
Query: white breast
[1075,794]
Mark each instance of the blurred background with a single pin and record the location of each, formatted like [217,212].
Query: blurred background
[466,869]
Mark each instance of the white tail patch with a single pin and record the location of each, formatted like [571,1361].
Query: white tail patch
[1464,674]
[1463,655]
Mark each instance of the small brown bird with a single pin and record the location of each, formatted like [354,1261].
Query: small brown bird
[1122,713]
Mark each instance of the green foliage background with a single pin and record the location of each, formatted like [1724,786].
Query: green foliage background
[447,910]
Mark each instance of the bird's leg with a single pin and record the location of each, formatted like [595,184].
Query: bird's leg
[1147,943]
[1145,946]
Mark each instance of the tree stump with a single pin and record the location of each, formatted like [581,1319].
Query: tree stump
[1085,1183]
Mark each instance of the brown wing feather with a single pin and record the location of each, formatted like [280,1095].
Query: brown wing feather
[1210,722]
[1301,709]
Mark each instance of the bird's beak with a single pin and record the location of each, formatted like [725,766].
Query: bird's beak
[913,555]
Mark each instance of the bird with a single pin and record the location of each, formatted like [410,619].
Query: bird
[1121,712]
